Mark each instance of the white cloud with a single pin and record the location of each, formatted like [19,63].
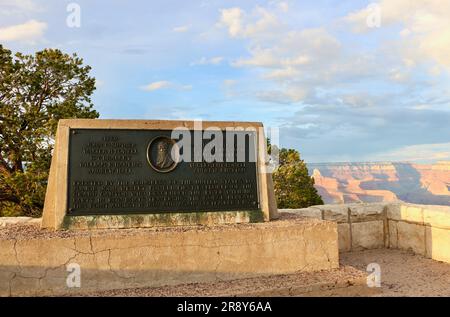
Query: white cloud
[14,7]
[293,59]
[398,75]
[208,61]
[297,59]
[283,6]
[422,107]
[293,48]
[157,85]
[418,153]
[260,58]
[283,73]
[425,27]
[232,19]
[376,92]
[164,84]
[229,82]
[185,87]
[260,23]
[29,31]
[405,32]
[181,29]
[288,95]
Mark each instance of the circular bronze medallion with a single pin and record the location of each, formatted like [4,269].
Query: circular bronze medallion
[159,154]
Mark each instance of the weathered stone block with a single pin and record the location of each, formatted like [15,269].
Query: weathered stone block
[405,212]
[8,253]
[337,213]
[6,277]
[368,235]
[366,212]
[411,237]
[305,212]
[437,216]
[438,244]
[393,234]
[344,239]
[8,221]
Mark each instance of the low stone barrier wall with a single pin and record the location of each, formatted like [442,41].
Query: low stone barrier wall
[360,226]
[424,229]
[11,221]
[36,262]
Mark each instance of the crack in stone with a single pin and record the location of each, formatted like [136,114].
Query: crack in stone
[16,255]
[305,244]
[42,276]
[396,226]
[90,243]
[219,261]
[10,284]
[113,271]
[188,245]
[58,266]
[325,252]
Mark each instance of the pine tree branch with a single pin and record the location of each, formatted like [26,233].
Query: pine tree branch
[4,196]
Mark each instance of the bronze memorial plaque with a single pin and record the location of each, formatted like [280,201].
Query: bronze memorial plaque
[114,171]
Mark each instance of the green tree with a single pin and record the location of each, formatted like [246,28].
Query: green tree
[294,188]
[35,92]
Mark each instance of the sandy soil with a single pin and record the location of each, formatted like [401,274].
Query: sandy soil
[403,273]
[333,281]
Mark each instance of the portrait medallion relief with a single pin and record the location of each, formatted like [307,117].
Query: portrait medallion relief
[159,154]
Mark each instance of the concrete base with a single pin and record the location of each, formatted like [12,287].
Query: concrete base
[35,262]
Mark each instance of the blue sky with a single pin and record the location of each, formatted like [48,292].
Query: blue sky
[342,80]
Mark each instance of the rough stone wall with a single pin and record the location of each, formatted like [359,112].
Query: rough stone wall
[12,221]
[423,229]
[360,226]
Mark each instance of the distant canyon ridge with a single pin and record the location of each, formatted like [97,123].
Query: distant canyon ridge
[383,182]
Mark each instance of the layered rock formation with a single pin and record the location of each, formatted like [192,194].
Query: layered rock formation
[383,182]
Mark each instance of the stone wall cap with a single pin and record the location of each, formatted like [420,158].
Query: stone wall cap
[139,123]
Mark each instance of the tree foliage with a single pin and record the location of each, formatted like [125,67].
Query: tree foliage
[294,188]
[35,92]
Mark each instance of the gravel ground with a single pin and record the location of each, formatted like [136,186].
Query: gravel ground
[333,281]
[25,232]
[403,273]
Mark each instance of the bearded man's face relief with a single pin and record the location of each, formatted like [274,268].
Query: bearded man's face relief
[163,159]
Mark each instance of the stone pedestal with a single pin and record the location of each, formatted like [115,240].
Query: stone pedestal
[57,211]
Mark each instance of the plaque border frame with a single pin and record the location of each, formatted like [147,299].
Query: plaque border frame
[55,208]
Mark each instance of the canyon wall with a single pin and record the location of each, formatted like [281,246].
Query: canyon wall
[383,182]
